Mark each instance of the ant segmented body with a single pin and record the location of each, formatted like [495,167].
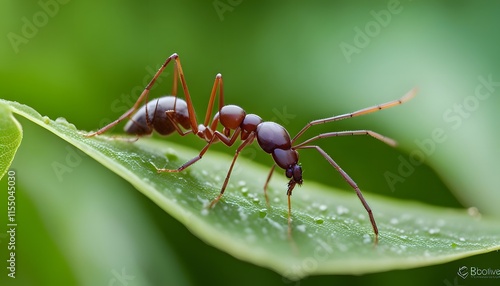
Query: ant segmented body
[169,114]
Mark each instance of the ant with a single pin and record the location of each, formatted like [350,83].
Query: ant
[168,114]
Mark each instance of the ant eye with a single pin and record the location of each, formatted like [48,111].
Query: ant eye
[297,173]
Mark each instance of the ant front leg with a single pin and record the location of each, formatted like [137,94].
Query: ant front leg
[360,112]
[245,143]
[267,183]
[351,182]
[386,140]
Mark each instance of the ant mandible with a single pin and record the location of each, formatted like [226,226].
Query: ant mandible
[168,114]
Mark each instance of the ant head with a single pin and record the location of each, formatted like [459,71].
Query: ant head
[288,159]
[294,172]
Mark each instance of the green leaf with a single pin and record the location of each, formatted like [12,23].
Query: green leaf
[11,135]
[331,230]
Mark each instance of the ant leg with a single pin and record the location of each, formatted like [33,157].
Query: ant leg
[137,104]
[237,153]
[190,162]
[217,83]
[267,183]
[360,112]
[180,74]
[217,136]
[386,140]
[170,114]
[291,186]
[289,214]
[350,182]
[288,193]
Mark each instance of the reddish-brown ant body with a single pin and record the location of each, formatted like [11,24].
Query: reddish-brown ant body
[169,113]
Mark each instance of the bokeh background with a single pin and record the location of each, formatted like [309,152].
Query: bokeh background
[289,62]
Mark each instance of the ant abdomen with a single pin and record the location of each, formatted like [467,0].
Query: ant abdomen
[157,118]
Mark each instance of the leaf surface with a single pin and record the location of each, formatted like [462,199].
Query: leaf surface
[331,230]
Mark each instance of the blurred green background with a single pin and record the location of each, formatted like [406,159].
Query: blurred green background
[289,62]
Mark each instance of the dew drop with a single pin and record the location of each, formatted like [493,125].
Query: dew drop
[61,120]
[204,212]
[318,220]
[275,224]
[256,200]
[323,208]
[461,239]
[342,210]
[178,190]
[301,228]
[474,212]
[203,201]
[453,245]
[366,239]
[342,247]
[242,183]
[262,213]
[433,230]
[394,221]
[171,156]
[244,191]
[242,213]
[251,238]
